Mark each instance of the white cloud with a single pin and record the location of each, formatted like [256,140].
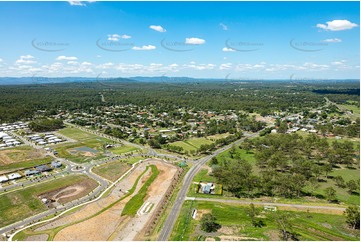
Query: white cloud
[225,66]
[26,59]
[72,62]
[158,28]
[1,60]
[195,41]
[80,3]
[124,36]
[334,40]
[68,58]
[107,65]
[200,67]
[337,25]
[144,47]
[113,37]
[224,27]
[225,49]
[76,3]
[116,37]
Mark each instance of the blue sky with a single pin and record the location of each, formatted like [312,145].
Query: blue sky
[236,40]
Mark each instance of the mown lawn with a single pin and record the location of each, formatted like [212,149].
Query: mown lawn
[77,134]
[18,205]
[307,226]
[203,176]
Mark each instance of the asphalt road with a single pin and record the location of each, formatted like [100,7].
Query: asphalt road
[173,215]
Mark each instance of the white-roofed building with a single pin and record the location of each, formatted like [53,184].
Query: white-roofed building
[3,179]
[13,176]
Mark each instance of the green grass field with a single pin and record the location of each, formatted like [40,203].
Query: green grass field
[21,157]
[18,205]
[123,149]
[355,110]
[77,134]
[192,144]
[84,139]
[132,206]
[239,154]
[203,176]
[234,220]
[341,193]
[112,170]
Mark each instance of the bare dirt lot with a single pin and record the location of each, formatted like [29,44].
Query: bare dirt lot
[40,237]
[70,193]
[109,224]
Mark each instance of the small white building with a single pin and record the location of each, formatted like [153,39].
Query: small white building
[3,179]
[13,176]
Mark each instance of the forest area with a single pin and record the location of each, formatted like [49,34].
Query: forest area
[25,101]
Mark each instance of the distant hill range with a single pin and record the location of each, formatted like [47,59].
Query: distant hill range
[157,79]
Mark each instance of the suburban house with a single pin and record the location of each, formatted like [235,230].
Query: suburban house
[43,168]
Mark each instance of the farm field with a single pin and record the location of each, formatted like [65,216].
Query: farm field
[236,224]
[112,170]
[17,205]
[21,157]
[88,147]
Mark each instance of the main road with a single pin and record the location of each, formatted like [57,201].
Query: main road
[188,178]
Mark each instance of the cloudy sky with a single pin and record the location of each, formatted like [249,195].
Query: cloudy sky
[246,40]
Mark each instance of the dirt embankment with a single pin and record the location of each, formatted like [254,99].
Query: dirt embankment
[109,225]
